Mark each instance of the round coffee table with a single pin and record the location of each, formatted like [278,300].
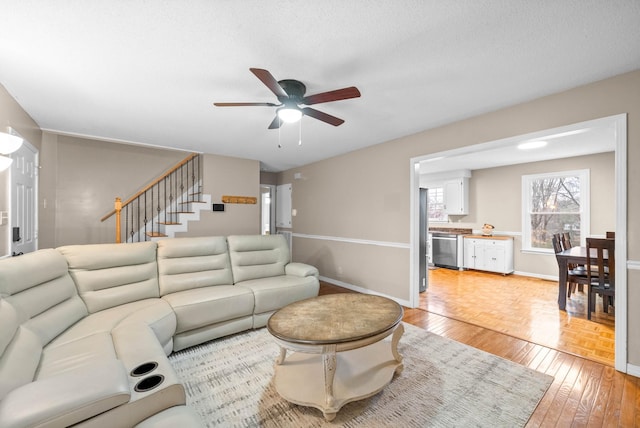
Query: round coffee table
[338,356]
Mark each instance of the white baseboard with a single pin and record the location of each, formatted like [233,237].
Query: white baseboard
[537,275]
[363,290]
[633,370]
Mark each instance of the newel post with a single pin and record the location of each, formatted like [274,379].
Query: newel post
[118,207]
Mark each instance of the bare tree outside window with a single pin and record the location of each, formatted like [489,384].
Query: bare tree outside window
[555,205]
[436,204]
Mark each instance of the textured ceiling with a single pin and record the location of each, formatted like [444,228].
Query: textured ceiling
[148,71]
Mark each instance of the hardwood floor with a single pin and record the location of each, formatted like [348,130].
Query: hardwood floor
[584,392]
[523,307]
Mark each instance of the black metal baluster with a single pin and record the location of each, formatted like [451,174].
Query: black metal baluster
[181,187]
[146,219]
[138,225]
[157,215]
[189,187]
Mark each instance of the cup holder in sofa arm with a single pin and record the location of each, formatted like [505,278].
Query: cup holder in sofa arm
[148,383]
[144,369]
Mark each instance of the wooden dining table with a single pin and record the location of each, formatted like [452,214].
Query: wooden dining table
[574,255]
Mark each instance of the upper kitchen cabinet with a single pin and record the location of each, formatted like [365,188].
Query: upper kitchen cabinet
[456,196]
[448,192]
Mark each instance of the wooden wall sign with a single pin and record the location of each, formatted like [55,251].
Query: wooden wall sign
[239,199]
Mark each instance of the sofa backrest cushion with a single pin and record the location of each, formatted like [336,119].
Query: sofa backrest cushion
[186,263]
[38,301]
[20,351]
[257,256]
[109,275]
[39,287]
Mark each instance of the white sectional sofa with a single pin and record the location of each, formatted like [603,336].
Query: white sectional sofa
[85,330]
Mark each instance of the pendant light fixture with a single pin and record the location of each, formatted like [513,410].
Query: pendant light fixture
[5,162]
[9,143]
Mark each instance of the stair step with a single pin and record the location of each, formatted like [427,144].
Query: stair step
[181,212]
[192,202]
[156,235]
[168,223]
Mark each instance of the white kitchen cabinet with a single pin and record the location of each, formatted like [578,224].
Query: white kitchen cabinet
[456,196]
[490,253]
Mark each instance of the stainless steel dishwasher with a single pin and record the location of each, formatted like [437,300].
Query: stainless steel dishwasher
[446,250]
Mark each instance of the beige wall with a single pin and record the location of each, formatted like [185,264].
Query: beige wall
[82,178]
[234,177]
[365,195]
[5,203]
[11,114]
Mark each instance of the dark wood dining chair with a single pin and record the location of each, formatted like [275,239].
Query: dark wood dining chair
[573,277]
[601,273]
[611,235]
[574,269]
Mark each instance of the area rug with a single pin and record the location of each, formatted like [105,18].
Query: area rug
[228,382]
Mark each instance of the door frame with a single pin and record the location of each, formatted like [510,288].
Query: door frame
[620,122]
[36,152]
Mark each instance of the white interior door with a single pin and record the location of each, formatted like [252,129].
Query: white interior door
[24,197]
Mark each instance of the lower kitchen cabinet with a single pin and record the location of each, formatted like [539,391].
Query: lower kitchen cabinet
[490,253]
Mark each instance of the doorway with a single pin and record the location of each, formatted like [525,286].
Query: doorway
[24,200]
[267,209]
[618,124]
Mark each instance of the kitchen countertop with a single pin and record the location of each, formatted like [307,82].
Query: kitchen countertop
[454,231]
[504,238]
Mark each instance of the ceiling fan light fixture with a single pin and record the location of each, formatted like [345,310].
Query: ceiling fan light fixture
[289,114]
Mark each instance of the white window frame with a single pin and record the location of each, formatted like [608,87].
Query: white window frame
[585,206]
[440,190]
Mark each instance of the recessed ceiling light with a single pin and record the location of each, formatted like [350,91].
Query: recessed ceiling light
[532,145]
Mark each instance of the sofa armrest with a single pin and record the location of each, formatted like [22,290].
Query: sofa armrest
[67,398]
[300,269]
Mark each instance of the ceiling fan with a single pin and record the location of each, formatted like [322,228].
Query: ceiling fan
[290,94]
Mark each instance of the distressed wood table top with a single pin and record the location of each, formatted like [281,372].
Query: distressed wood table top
[334,318]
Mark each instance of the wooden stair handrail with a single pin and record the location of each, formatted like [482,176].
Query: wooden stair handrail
[149,186]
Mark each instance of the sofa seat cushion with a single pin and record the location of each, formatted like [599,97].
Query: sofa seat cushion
[156,313]
[275,292]
[68,398]
[204,306]
[68,356]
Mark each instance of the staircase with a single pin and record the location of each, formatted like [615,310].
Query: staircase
[165,206]
[189,211]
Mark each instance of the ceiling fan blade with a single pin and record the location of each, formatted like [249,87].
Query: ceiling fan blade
[338,94]
[332,120]
[269,81]
[245,104]
[276,123]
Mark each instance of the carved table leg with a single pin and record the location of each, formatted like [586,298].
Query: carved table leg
[395,339]
[281,357]
[329,364]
